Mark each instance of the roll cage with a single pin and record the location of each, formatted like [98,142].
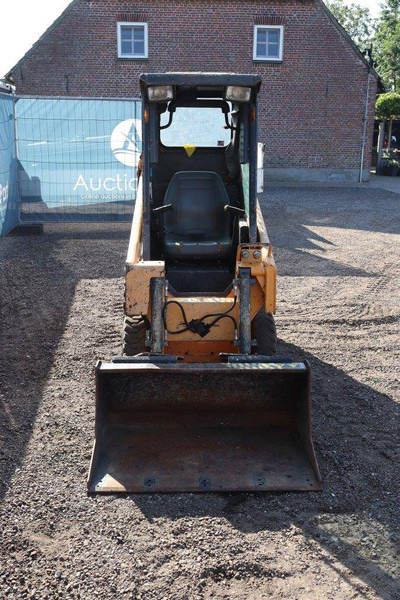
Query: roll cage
[236,164]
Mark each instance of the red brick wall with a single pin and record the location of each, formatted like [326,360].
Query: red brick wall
[311,104]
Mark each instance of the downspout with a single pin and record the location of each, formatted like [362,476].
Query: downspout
[365,123]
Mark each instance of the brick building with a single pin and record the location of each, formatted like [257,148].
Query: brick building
[317,87]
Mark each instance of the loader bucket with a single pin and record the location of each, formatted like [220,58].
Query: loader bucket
[203,427]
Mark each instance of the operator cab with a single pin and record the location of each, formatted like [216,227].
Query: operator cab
[199,161]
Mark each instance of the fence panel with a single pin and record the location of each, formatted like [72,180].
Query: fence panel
[77,158]
[8,166]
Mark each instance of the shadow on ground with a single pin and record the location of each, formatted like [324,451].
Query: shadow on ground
[359,208]
[292,213]
[354,517]
[38,281]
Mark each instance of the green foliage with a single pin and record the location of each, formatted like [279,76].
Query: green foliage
[383,33]
[388,106]
[355,19]
[387,44]
[392,159]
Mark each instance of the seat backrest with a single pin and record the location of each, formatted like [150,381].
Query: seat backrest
[198,199]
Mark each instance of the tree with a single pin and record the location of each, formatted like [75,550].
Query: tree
[387,44]
[388,106]
[387,109]
[355,19]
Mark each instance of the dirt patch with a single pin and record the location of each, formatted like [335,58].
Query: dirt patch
[338,306]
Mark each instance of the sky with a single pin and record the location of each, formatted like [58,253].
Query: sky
[23,21]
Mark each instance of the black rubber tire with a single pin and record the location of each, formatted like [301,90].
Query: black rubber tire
[264,331]
[134,336]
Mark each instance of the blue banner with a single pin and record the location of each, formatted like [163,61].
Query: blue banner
[8,166]
[77,158]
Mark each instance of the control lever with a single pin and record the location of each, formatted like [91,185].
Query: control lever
[162,209]
[239,212]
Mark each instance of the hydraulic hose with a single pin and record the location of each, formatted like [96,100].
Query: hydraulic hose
[197,325]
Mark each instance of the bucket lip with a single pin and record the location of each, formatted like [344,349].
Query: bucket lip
[292,367]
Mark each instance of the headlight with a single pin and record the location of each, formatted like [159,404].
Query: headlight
[237,93]
[160,93]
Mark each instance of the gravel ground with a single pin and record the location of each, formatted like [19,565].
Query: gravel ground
[61,309]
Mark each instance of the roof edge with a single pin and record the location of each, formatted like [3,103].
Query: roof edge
[42,37]
[348,37]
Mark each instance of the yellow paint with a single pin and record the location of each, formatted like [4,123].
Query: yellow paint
[190,149]
[196,307]
[135,244]
[137,286]
[270,288]
[263,269]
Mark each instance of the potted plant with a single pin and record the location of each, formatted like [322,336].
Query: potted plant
[390,164]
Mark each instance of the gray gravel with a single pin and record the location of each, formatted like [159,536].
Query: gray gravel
[337,250]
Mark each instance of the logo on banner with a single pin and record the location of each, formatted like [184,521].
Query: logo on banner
[126,142]
[3,194]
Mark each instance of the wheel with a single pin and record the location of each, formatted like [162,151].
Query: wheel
[134,336]
[264,331]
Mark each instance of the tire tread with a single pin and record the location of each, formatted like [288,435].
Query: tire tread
[134,336]
[264,331]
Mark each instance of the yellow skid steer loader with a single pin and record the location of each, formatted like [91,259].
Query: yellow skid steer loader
[199,401]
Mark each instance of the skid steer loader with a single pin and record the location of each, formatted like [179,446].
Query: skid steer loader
[199,402]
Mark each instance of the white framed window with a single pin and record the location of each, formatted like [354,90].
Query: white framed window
[268,42]
[132,40]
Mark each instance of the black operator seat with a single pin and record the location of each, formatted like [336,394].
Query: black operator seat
[196,227]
